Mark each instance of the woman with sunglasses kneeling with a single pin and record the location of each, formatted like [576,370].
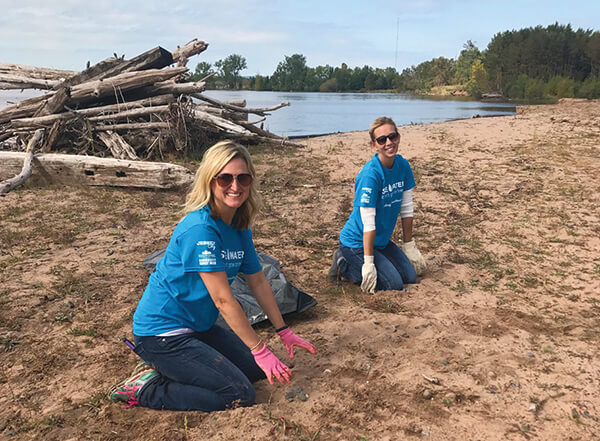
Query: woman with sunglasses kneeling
[192,363]
[382,193]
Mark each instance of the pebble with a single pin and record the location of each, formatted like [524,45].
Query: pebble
[445,362]
[492,374]
[327,371]
[296,392]
[493,389]
[427,394]
[532,408]
[530,354]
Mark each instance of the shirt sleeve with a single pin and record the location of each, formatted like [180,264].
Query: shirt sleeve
[410,179]
[250,264]
[366,190]
[201,249]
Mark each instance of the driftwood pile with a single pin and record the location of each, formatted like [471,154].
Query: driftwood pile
[130,110]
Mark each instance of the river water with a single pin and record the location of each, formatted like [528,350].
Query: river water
[312,113]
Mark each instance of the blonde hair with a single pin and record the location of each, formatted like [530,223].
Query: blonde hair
[213,161]
[381,121]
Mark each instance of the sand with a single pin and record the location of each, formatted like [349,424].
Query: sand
[497,340]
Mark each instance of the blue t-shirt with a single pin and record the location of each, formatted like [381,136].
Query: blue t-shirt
[382,188]
[176,296]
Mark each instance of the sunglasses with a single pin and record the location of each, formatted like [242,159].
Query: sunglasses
[383,139]
[226,179]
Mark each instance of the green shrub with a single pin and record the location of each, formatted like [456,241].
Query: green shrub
[534,90]
[329,86]
[560,87]
[590,88]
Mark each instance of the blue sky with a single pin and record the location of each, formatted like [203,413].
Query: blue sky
[65,34]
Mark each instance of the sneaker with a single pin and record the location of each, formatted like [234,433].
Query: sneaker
[334,272]
[129,390]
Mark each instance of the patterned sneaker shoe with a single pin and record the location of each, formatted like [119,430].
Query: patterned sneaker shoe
[334,272]
[129,390]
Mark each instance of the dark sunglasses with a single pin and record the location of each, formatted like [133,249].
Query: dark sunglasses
[383,139]
[225,179]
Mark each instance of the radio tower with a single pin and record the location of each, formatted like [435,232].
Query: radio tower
[396,59]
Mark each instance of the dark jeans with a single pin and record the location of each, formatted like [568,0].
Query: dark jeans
[394,270]
[207,371]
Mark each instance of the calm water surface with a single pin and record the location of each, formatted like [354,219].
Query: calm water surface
[319,113]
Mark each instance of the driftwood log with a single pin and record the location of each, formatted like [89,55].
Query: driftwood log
[118,146]
[42,73]
[181,55]
[90,170]
[26,169]
[46,121]
[127,109]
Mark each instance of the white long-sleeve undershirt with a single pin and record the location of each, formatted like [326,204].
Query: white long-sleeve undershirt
[367,214]
[406,209]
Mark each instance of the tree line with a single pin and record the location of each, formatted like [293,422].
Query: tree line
[531,64]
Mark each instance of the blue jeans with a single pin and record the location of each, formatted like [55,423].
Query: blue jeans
[207,371]
[394,270]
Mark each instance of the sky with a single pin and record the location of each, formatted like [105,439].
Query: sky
[66,34]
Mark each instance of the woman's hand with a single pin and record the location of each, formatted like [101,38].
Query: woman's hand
[271,365]
[290,340]
[369,275]
[414,256]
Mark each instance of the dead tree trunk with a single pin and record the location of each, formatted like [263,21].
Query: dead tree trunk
[11,183]
[41,73]
[91,170]
[182,54]
[119,148]
[48,120]
[21,82]
[122,82]
[55,104]
[91,73]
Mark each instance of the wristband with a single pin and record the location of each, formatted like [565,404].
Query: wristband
[283,328]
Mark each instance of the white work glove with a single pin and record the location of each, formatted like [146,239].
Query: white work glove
[414,255]
[369,275]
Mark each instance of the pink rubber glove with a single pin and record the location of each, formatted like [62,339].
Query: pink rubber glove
[290,340]
[271,365]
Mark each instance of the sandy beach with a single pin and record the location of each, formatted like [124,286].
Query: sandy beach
[498,340]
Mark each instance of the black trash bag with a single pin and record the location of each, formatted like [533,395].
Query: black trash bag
[289,298]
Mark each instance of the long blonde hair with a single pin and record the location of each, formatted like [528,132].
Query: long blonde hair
[213,161]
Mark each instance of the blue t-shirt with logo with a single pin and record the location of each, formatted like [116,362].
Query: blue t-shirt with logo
[176,296]
[382,188]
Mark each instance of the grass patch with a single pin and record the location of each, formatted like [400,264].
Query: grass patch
[8,262]
[513,287]
[10,238]
[529,281]
[9,343]
[90,332]
[460,287]
[71,284]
